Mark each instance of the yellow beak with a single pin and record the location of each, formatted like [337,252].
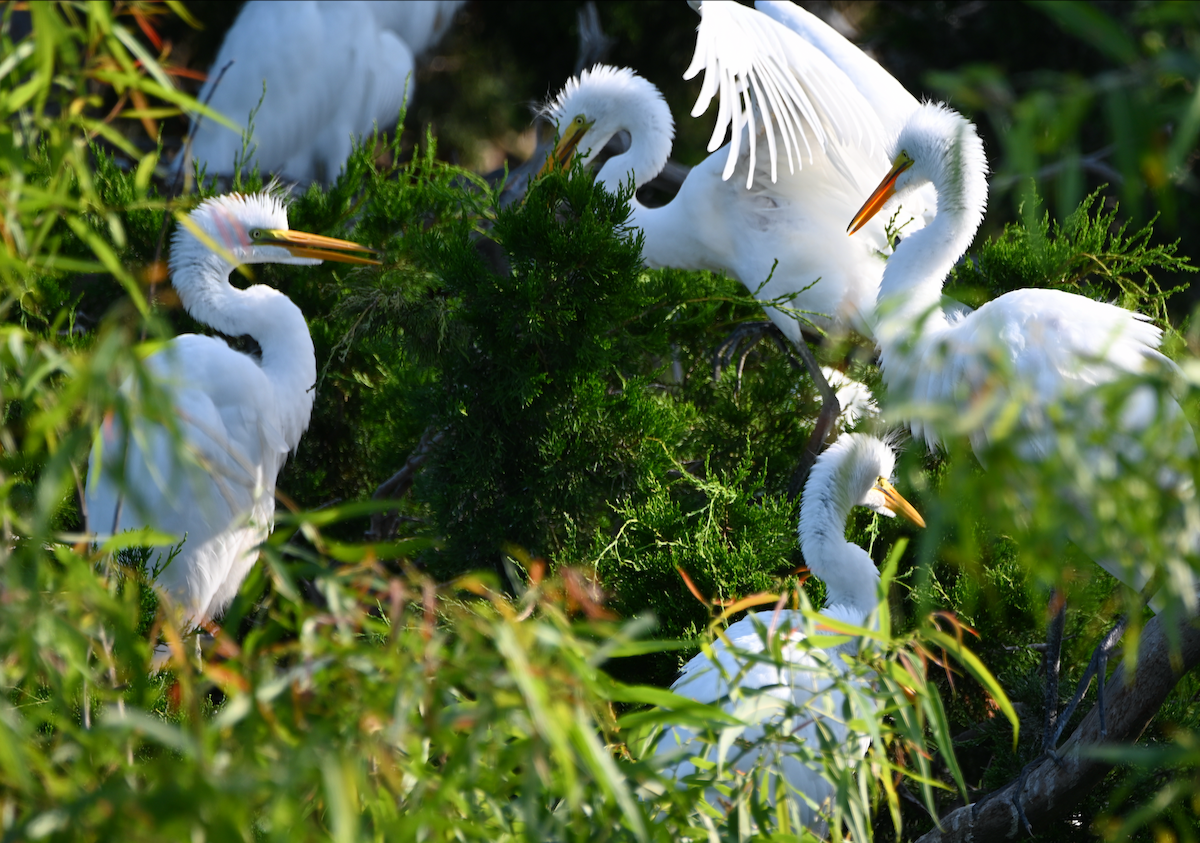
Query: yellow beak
[885,191]
[897,503]
[565,150]
[304,245]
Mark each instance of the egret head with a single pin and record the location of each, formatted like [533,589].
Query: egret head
[867,466]
[855,470]
[253,228]
[606,100]
[937,145]
[883,499]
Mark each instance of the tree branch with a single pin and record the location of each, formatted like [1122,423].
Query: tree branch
[383,524]
[1054,786]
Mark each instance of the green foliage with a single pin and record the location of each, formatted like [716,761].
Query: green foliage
[49,109]
[1133,121]
[723,532]
[538,423]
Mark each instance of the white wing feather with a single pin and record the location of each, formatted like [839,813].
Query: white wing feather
[757,64]
[1049,346]
[890,101]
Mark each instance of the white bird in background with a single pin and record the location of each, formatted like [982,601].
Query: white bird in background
[332,70]
[213,478]
[854,471]
[785,231]
[1042,350]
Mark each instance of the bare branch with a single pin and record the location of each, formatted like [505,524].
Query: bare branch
[1053,786]
[383,524]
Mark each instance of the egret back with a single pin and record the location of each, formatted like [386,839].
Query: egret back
[1053,355]
[1037,348]
[791,231]
[332,71]
[419,24]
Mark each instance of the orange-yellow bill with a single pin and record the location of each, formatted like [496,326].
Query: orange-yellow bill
[305,245]
[885,191]
[897,504]
[567,144]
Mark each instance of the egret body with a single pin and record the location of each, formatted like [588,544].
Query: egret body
[1045,350]
[854,471]
[332,70]
[212,480]
[784,230]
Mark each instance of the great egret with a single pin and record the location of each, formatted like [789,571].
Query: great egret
[213,479]
[1046,348]
[854,471]
[1044,351]
[332,70]
[782,231]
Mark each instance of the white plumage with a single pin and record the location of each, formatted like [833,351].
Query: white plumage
[796,692]
[1044,351]
[809,86]
[213,480]
[787,231]
[332,70]
[854,398]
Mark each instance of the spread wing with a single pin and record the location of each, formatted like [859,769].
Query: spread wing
[758,65]
[890,101]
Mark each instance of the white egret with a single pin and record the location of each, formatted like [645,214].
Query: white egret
[854,471]
[1044,351]
[213,480]
[332,70]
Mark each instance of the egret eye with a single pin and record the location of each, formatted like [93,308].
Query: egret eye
[256,234]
